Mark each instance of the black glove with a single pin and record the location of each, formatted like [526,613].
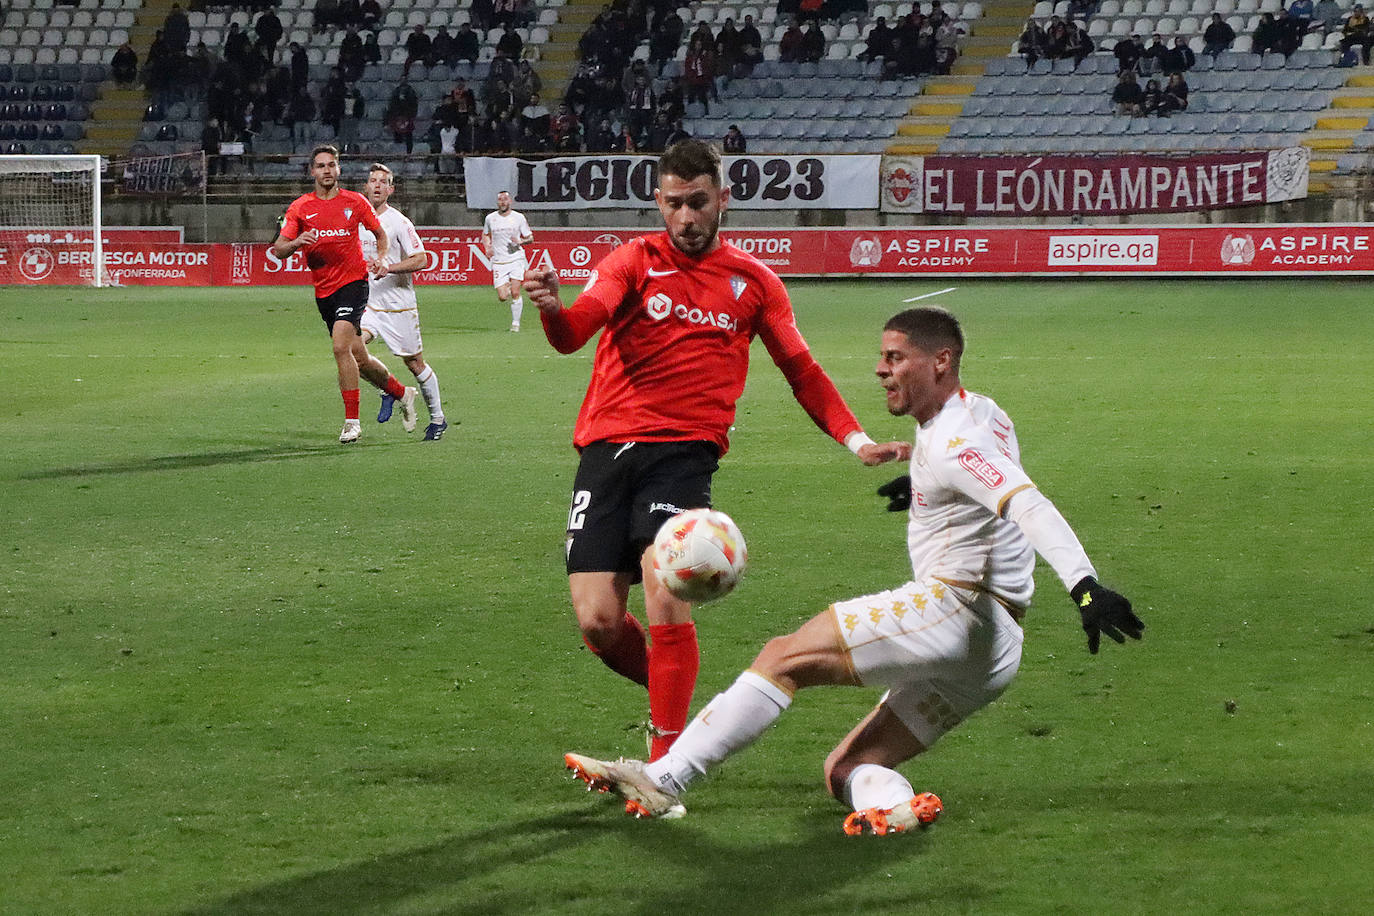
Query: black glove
[898,493]
[1104,611]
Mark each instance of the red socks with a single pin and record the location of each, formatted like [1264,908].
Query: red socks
[629,655]
[673,663]
[350,399]
[394,388]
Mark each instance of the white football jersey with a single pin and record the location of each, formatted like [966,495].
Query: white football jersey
[394,292]
[965,465]
[506,233]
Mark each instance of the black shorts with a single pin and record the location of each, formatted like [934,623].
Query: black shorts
[623,493]
[344,304]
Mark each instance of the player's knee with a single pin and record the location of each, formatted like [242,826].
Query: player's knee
[600,632]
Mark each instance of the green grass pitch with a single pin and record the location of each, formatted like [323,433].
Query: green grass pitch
[244,669]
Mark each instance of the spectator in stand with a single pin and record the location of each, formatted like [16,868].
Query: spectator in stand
[463,105]
[1152,61]
[1356,31]
[1127,95]
[372,52]
[236,45]
[326,14]
[124,65]
[1291,31]
[526,83]
[751,47]
[1152,99]
[1081,45]
[351,59]
[1033,43]
[812,43]
[332,100]
[665,37]
[443,50]
[1180,57]
[789,46]
[640,103]
[300,118]
[300,67]
[1056,40]
[698,72]
[671,101]
[625,141]
[733,142]
[878,42]
[565,131]
[176,29]
[503,13]
[210,139]
[269,31]
[1082,8]
[482,15]
[510,42]
[1328,16]
[350,13]
[1128,52]
[1175,94]
[1267,36]
[502,117]
[370,16]
[1218,36]
[601,137]
[418,45]
[535,118]
[947,45]
[354,110]
[401,109]
[1301,12]
[676,134]
[729,50]
[655,139]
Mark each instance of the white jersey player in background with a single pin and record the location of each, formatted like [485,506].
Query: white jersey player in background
[393,312]
[505,233]
[943,645]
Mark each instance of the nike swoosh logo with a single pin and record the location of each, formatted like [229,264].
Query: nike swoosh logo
[311,215]
[661,273]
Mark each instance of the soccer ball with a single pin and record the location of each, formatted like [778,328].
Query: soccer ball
[699,555]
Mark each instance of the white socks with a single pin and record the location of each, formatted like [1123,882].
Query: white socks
[517,305]
[429,389]
[732,720]
[872,786]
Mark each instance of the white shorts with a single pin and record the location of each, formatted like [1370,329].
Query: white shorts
[502,272]
[400,331]
[943,652]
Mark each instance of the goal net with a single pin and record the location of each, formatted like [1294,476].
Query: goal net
[50,230]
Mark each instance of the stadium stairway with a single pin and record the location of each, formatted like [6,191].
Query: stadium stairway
[558,58]
[1338,127]
[118,114]
[942,98]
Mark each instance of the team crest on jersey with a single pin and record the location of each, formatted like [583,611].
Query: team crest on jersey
[737,285]
[591,279]
[983,471]
[348,212]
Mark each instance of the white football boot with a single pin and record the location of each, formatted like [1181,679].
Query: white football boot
[408,410]
[352,429]
[627,779]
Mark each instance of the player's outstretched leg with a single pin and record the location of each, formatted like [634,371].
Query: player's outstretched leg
[408,410]
[388,404]
[627,779]
[920,811]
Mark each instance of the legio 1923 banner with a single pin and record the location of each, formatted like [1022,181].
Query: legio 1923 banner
[755,182]
[1012,186]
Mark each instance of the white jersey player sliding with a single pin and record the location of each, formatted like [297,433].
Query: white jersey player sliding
[393,312]
[505,233]
[943,645]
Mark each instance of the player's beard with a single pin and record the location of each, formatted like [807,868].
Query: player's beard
[701,240]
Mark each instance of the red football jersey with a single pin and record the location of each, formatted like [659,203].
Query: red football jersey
[673,358]
[336,259]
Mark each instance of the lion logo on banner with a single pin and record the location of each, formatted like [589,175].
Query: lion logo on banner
[1237,250]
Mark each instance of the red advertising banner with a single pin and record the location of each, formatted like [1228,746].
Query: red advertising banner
[456,255]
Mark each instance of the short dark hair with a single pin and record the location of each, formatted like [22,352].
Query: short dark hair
[931,329]
[325,148]
[689,159]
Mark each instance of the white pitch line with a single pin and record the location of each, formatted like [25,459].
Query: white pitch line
[928,295]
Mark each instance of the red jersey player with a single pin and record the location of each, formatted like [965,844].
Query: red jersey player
[325,223]
[679,310]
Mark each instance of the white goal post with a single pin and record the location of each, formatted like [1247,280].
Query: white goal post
[46,200]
